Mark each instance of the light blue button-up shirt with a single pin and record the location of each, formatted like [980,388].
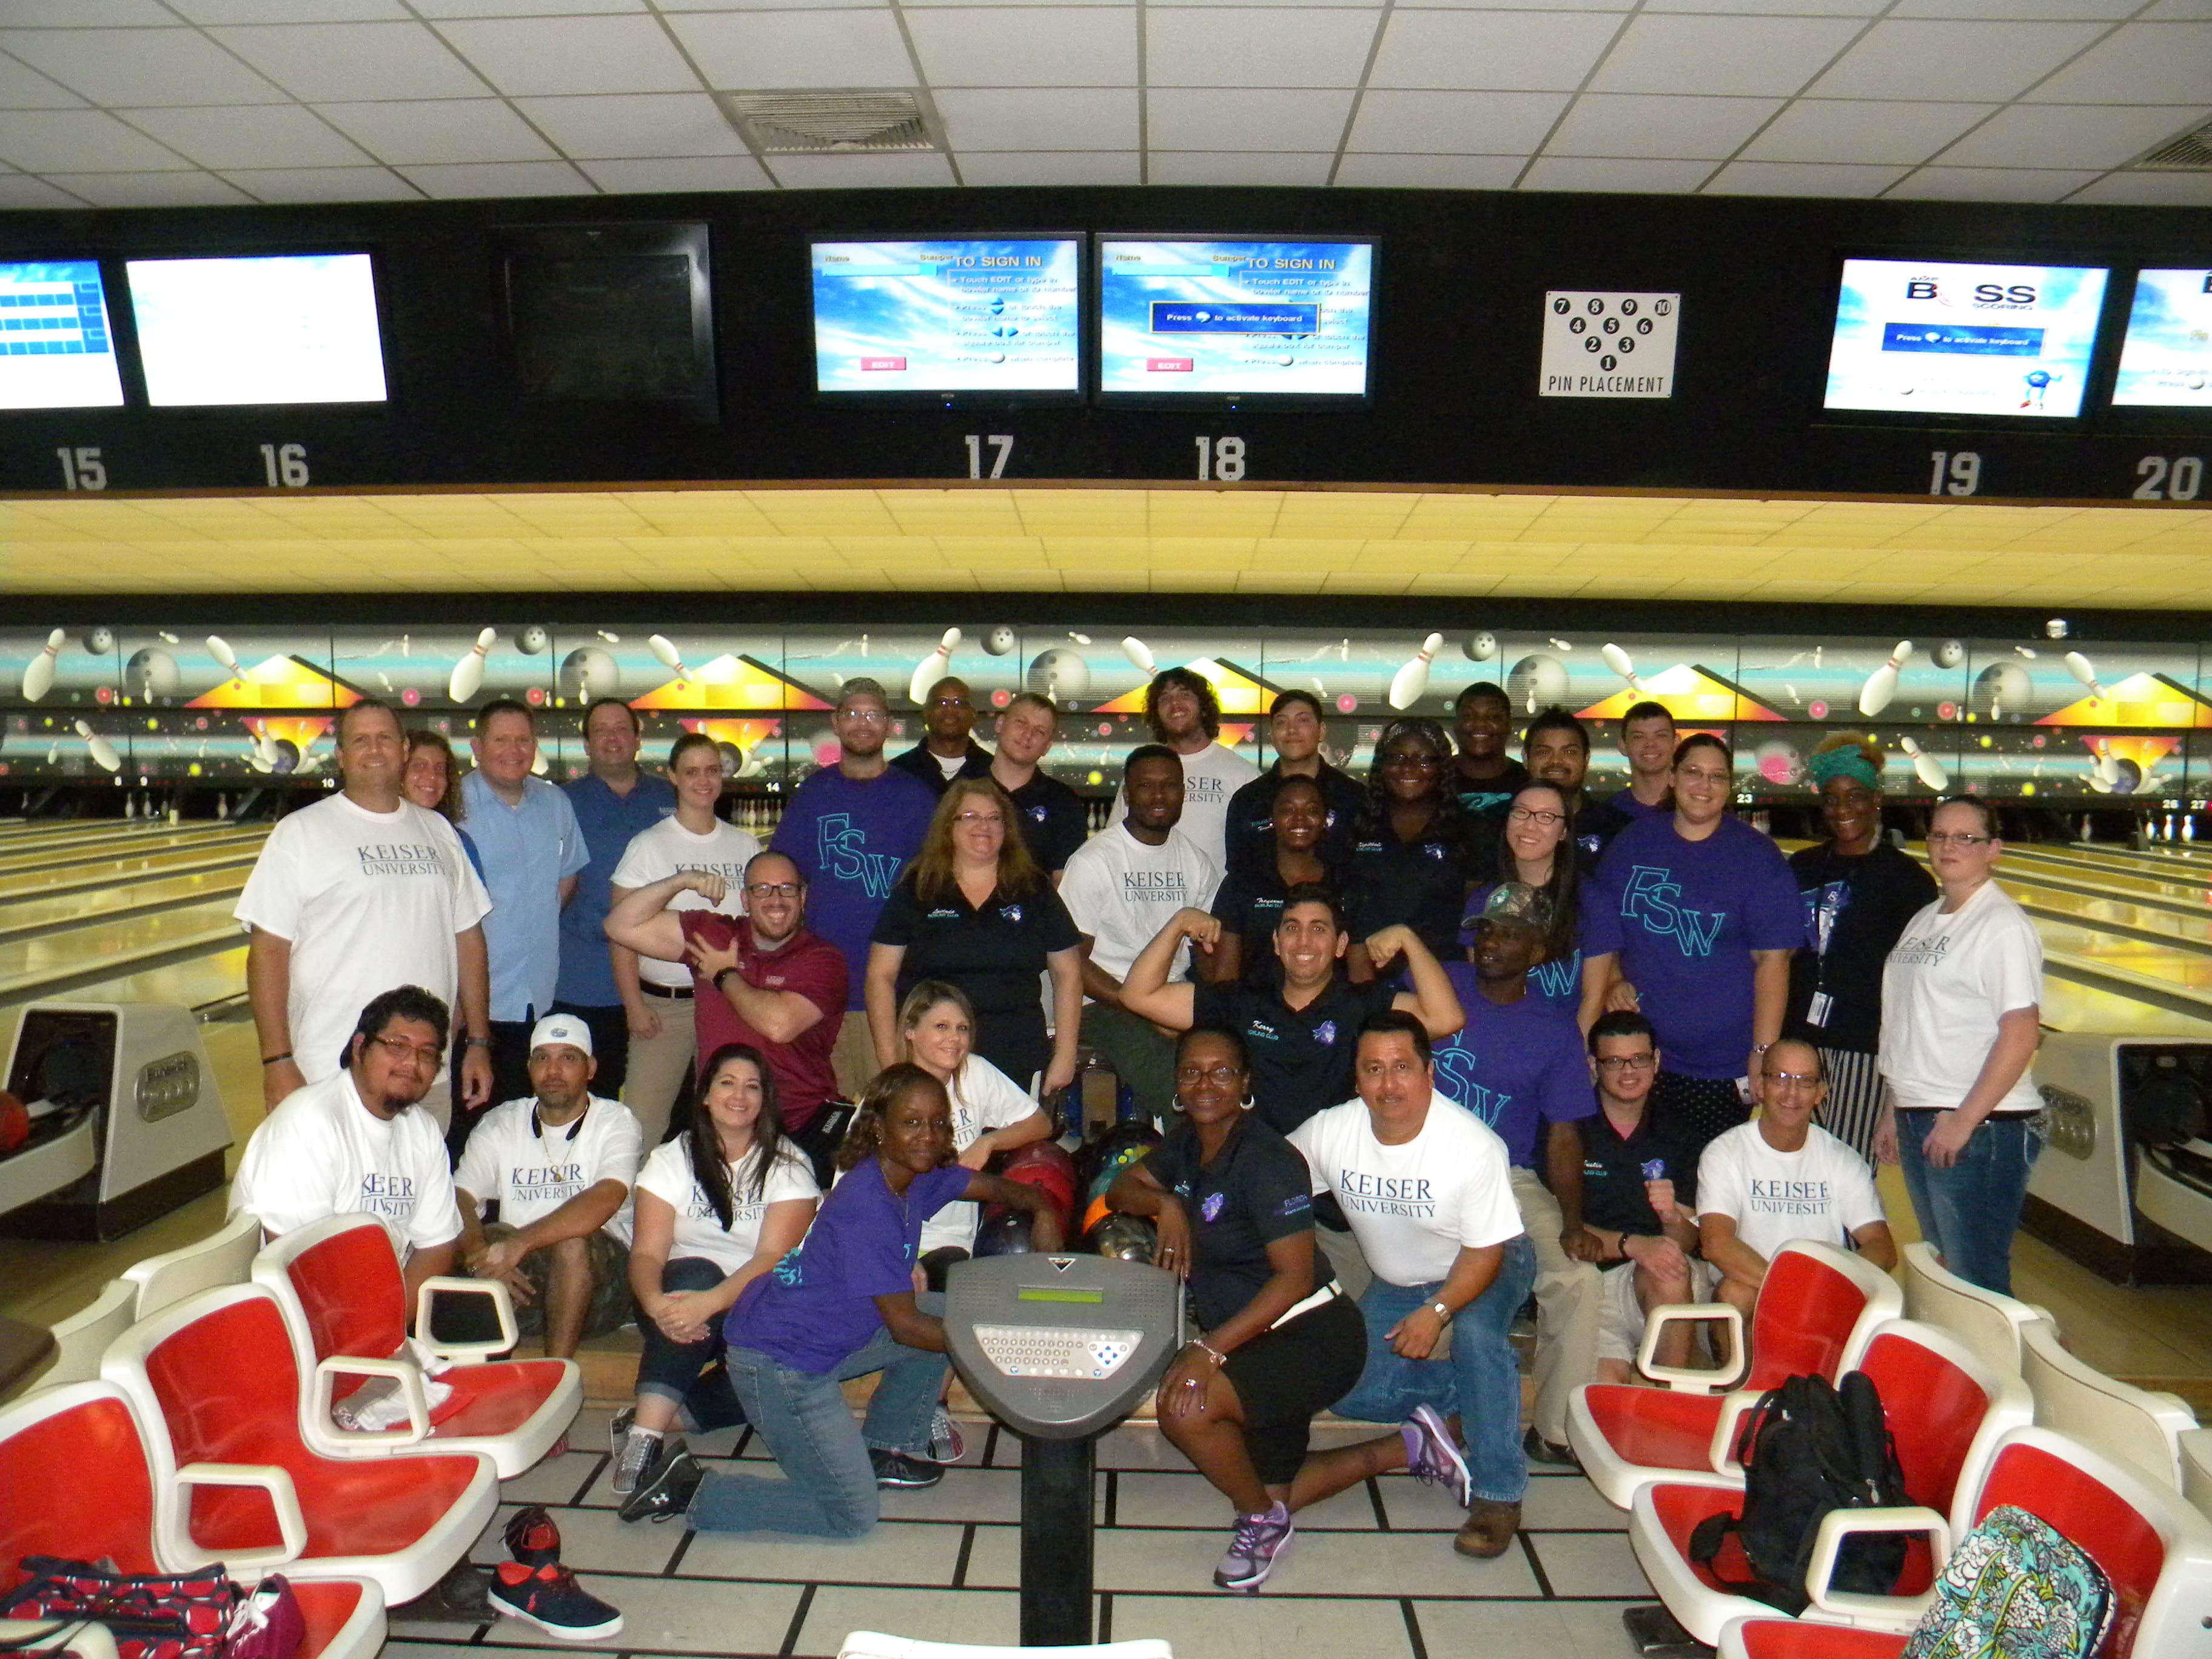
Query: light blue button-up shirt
[528,851]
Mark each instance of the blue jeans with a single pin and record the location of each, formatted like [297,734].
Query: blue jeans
[667,1368]
[829,1486]
[1481,1381]
[1970,1212]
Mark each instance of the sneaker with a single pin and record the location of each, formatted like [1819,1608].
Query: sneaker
[639,1454]
[532,1539]
[1541,1451]
[946,1444]
[899,1470]
[1259,1542]
[1431,1456]
[665,1492]
[551,1598]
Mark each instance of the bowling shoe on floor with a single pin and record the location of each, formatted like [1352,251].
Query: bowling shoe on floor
[1430,1455]
[946,1444]
[899,1470]
[666,1492]
[551,1598]
[1488,1530]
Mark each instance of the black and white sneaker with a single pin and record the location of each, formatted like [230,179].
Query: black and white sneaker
[618,1428]
[551,1598]
[896,1470]
[946,1444]
[641,1452]
[666,1493]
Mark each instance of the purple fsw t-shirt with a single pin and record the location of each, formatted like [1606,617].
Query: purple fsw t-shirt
[816,1306]
[1691,912]
[850,839]
[1513,1064]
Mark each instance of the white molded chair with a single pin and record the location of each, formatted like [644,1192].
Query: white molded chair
[2132,1424]
[225,1256]
[84,1336]
[1988,1323]
[2196,1470]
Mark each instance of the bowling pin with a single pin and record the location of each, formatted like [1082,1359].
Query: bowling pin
[103,752]
[39,677]
[933,666]
[2189,827]
[2081,668]
[1925,766]
[219,648]
[2106,773]
[1411,683]
[469,672]
[1881,684]
[1141,654]
[1562,645]
[1618,660]
[665,648]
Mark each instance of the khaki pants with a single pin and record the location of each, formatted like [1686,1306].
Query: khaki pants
[660,1066]
[853,1058]
[1568,1296]
[1354,1275]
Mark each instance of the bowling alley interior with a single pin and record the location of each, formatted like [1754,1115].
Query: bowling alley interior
[1830,379]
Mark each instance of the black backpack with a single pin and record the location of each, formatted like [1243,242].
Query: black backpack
[1807,1449]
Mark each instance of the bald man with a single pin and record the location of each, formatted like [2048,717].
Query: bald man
[946,752]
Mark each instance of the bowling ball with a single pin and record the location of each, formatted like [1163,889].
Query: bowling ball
[99,640]
[1003,1232]
[2001,689]
[1094,1213]
[1060,674]
[15,1123]
[1779,763]
[1479,647]
[998,642]
[283,756]
[1536,680]
[1049,1168]
[531,640]
[589,673]
[1128,1237]
[2127,777]
[1101,1160]
[1950,653]
[152,672]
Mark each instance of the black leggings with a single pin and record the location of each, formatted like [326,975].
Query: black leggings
[1284,1375]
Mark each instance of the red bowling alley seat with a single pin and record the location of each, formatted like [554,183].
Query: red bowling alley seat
[216,1383]
[75,1482]
[344,1303]
[2156,1551]
[1815,1312]
[1945,1410]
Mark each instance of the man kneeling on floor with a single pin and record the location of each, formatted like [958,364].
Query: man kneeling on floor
[559,1164]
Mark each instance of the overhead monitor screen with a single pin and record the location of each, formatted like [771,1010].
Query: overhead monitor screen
[1923,337]
[290,329]
[2166,357]
[1234,319]
[57,350]
[949,316]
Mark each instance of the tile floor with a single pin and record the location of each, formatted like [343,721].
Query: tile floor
[1372,1573]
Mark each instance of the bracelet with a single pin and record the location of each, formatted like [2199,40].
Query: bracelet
[274,1059]
[1214,1354]
[475,1042]
[717,981]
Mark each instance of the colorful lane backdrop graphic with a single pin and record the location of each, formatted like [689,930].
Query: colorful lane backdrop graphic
[958,316]
[1236,317]
[57,350]
[1916,336]
[2014,719]
[2166,357]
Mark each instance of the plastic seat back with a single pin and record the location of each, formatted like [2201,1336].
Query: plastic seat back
[347,1279]
[1816,1298]
[84,1336]
[74,1480]
[225,1256]
[1988,1323]
[1939,1399]
[2134,1425]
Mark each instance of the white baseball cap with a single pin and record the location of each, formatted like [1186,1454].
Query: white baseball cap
[561,1028]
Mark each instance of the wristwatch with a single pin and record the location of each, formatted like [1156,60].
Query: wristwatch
[1439,1311]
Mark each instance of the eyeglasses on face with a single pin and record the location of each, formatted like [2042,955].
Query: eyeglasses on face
[865,716]
[400,1049]
[773,889]
[1702,775]
[1627,1062]
[990,820]
[1227,1077]
[1957,838]
[1536,816]
[1793,1079]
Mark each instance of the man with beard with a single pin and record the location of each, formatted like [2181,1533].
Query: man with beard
[946,751]
[1557,748]
[1185,715]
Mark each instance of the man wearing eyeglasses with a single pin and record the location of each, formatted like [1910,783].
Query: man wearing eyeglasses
[946,750]
[760,978]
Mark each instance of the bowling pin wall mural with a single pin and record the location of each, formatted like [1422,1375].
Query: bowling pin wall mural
[2035,717]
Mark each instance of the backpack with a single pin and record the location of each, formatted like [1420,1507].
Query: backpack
[1807,1449]
[2015,1589]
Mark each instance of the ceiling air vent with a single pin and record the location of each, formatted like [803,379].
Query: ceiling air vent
[833,123]
[2190,153]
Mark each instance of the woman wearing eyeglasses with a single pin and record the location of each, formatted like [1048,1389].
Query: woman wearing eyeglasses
[974,911]
[1582,938]
[1962,999]
[1413,852]
[1708,918]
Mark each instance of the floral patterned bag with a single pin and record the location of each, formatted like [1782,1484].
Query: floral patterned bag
[2015,1589]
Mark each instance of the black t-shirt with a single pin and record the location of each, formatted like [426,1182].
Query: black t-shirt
[1301,1057]
[1055,820]
[1485,801]
[1856,909]
[1596,825]
[1256,1190]
[920,763]
[1614,1170]
[1249,904]
[993,953]
[1249,834]
[1422,883]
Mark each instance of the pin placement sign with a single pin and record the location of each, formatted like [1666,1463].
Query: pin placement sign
[1608,345]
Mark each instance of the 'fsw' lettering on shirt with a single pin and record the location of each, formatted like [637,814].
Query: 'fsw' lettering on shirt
[1647,900]
[1560,981]
[1455,1073]
[842,847]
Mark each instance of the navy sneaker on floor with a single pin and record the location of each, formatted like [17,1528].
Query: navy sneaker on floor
[897,1469]
[551,1598]
[532,1539]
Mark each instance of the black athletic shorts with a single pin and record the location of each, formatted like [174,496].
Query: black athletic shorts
[1284,1375]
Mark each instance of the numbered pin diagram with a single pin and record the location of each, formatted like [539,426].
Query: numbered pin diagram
[1610,329]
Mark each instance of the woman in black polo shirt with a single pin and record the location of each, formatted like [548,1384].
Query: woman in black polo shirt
[1249,901]
[1233,1203]
[973,909]
[1413,856]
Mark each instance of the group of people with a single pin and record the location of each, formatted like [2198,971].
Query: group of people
[1428,1044]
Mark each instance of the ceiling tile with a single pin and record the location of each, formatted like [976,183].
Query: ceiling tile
[2020,11]
[1046,167]
[1431,171]
[2138,64]
[1190,167]
[741,50]
[53,141]
[1044,46]
[1819,130]
[1801,178]
[1535,51]
[1744,55]
[635,125]
[1990,185]
[2150,190]
[545,57]
[439,8]
[19,189]
[1064,118]
[290,11]
[1218,46]
[248,136]
[22,87]
[776,5]
[1574,173]
[1775,8]
[1230,119]
[332,61]
[1955,60]
[499,178]
[2168,11]
[323,185]
[445,130]
[120,190]
[677,173]
[139,66]
[1449,123]
[88,14]
[1627,124]
[2070,135]
[861,172]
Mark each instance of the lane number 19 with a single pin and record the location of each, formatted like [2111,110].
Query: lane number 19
[1954,473]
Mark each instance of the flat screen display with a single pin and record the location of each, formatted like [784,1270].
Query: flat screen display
[288,329]
[2166,357]
[57,350]
[949,316]
[1926,337]
[1234,319]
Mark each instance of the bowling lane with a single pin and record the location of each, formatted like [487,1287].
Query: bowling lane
[2067,1007]
[36,967]
[94,832]
[80,854]
[2177,930]
[77,873]
[2178,889]
[23,917]
[2114,861]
